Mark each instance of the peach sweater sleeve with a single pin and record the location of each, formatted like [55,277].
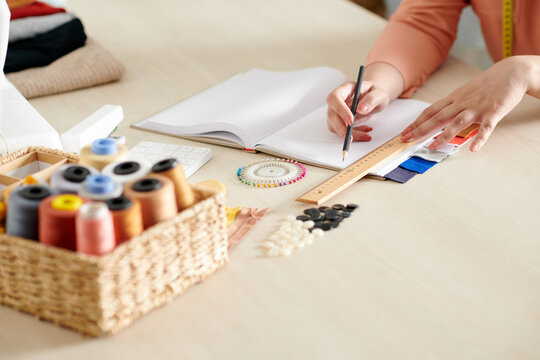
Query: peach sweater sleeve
[417,39]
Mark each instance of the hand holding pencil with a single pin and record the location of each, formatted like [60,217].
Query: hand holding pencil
[347,141]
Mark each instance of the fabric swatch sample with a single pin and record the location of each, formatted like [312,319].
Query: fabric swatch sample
[468,131]
[436,155]
[460,141]
[417,164]
[400,175]
[36,8]
[28,27]
[43,49]
[246,219]
[88,66]
[18,3]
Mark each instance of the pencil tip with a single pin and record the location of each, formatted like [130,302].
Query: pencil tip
[344,154]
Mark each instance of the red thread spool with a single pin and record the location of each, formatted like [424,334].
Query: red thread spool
[57,220]
[127,218]
[156,195]
[95,230]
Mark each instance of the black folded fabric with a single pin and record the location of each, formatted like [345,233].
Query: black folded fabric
[45,48]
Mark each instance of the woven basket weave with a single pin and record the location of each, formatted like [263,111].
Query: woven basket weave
[101,295]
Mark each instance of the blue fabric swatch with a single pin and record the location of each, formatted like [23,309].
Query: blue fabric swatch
[400,175]
[417,164]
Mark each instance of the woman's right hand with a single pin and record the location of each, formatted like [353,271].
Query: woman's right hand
[383,84]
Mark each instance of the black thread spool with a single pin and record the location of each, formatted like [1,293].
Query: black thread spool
[22,215]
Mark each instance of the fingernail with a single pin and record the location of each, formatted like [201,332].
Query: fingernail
[474,147]
[433,145]
[362,108]
[406,137]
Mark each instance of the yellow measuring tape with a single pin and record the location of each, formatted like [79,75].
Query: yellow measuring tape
[508,28]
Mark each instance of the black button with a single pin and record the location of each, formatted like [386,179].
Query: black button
[338,207]
[302,217]
[311,211]
[323,208]
[345,214]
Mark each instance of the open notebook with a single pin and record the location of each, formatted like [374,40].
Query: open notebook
[280,113]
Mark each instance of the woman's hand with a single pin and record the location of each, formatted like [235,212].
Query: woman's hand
[383,83]
[485,100]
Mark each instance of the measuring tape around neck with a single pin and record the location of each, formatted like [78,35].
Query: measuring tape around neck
[508,27]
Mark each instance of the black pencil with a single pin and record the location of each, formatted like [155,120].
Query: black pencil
[353,109]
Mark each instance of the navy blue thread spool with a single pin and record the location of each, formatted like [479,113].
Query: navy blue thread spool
[22,213]
[69,178]
[123,172]
[100,187]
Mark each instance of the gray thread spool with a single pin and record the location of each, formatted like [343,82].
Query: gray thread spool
[22,215]
[123,172]
[69,178]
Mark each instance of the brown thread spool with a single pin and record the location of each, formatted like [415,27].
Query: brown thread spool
[172,169]
[155,193]
[57,220]
[127,218]
[95,229]
[101,153]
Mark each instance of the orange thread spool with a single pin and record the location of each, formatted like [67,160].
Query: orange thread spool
[127,218]
[95,230]
[57,220]
[155,193]
[172,169]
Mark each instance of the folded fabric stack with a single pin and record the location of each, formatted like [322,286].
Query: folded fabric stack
[48,52]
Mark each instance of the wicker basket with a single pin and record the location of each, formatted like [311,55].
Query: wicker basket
[101,295]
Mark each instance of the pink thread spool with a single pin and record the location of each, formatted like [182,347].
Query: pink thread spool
[95,229]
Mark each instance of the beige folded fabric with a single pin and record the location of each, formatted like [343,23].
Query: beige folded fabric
[88,66]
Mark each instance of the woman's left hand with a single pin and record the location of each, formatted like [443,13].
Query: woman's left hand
[485,100]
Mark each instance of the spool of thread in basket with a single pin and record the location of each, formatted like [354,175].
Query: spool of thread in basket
[57,220]
[100,187]
[102,152]
[95,230]
[126,171]
[127,218]
[22,213]
[172,169]
[68,178]
[155,193]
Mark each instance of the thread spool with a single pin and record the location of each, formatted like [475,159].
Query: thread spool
[155,193]
[68,178]
[126,171]
[100,187]
[57,220]
[127,218]
[22,213]
[102,152]
[95,230]
[172,169]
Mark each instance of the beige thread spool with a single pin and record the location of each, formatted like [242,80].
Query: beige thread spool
[102,152]
[172,169]
[155,193]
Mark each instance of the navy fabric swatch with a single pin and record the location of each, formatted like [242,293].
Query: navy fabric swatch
[400,175]
[43,49]
[417,164]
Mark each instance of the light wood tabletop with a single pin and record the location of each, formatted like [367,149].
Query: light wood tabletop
[446,266]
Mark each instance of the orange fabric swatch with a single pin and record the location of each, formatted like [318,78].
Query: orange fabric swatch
[18,3]
[460,141]
[468,131]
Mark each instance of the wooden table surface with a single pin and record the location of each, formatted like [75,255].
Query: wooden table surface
[446,266]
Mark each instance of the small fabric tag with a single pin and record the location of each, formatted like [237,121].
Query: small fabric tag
[436,155]
[417,164]
[400,175]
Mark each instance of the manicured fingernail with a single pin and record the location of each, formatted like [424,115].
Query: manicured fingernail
[474,147]
[433,145]
[406,137]
[362,108]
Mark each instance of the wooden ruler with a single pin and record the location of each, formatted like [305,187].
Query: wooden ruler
[507,27]
[353,173]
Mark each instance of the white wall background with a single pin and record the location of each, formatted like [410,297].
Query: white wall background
[469,45]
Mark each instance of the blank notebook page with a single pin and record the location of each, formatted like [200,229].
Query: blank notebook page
[309,139]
